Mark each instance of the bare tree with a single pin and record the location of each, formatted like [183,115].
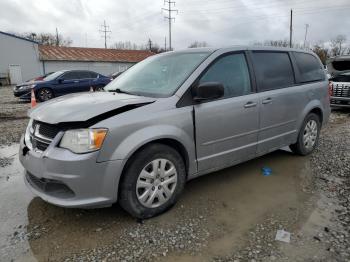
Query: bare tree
[47,38]
[198,44]
[128,45]
[337,45]
[279,43]
[322,52]
[125,45]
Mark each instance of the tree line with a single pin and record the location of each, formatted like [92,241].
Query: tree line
[335,47]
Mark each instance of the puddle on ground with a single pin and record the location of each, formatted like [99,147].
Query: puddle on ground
[232,201]
[14,200]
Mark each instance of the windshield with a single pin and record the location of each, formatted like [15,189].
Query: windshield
[159,75]
[53,76]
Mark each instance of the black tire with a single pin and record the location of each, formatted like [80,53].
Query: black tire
[99,88]
[299,147]
[128,199]
[44,94]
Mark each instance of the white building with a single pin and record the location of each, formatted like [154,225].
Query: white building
[19,58]
[22,59]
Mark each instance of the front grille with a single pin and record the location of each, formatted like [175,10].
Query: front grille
[341,90]
[42,135]
[50,186]
[49,131]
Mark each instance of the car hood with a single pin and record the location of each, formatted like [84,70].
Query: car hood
[29,83]
[82,107]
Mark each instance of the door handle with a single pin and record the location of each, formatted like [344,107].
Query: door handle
[250,104]
[267,100]
[76,81]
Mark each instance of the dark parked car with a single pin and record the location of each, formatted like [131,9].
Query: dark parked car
[61,83]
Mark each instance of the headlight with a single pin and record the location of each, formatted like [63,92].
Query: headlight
[26,87]
[83,140]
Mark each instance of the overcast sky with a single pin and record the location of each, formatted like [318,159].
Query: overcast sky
[218,22]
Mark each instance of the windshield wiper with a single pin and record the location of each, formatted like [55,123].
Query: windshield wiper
[119,91]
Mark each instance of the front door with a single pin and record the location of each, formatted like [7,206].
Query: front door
[227,128]
[70,82]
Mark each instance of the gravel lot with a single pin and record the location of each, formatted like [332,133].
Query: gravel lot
[230,215]
[13,116]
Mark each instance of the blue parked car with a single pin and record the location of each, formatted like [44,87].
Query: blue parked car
[61,83]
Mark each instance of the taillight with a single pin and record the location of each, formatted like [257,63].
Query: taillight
[330,88]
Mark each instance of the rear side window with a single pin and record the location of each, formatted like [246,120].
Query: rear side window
[84,75]
[273,70]
[309,67]
[93,75]
[232,72]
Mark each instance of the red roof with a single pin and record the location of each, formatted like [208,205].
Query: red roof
[55,53]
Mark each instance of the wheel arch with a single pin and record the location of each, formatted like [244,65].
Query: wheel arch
[315,107]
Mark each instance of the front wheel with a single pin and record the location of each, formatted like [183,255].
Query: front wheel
[153,181]
[308,135]
[45,94]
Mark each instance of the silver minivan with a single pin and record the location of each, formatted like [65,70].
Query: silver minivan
[170,118]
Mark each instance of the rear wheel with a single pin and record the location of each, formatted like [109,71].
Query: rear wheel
[308,135]
[153,181]
[99,88]
[44,94]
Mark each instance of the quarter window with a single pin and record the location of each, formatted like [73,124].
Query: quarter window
[273,70]
[232,72]
[309,67]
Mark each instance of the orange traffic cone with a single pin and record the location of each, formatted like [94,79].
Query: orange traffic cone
[32,99]
[91,89]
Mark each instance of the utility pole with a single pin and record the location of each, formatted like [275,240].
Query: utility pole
[150,44]
[57,39]
[105,30]
[165,44]
[291,29]
[170,19]
[306,27]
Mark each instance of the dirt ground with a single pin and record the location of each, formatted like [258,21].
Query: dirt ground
[230,215]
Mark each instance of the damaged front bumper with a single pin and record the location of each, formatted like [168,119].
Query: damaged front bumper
[65,179]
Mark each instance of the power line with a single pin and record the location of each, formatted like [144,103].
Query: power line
[170,19]
[105,30]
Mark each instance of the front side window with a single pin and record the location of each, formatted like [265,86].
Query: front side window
[159,75]
[309,67]
[232,72]
[71,75]
[273,70]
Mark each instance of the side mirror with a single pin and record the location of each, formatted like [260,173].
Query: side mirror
[208,91]
[60,80]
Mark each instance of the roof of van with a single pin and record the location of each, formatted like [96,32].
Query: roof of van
[243,47]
